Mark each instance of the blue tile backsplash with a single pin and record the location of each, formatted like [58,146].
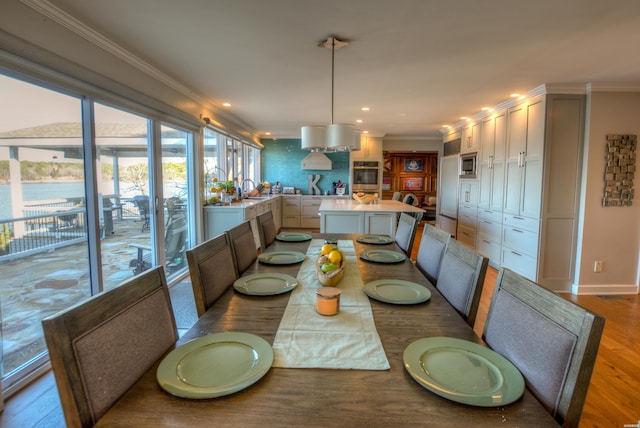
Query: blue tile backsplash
[281,161]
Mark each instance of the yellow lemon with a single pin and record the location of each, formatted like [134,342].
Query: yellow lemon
[326,249]
[335,257]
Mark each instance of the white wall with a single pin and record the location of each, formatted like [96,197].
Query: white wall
[610,234]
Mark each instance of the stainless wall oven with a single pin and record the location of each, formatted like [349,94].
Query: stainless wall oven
[365,176]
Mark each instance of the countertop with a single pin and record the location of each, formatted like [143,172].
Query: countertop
[337,205]
[248,202]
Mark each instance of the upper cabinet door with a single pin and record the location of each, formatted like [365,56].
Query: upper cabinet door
[533,158]
[470,138]
[492,162]
[525,145]
[370,150]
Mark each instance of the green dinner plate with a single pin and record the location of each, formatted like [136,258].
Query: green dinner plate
[293,237]
[281,257]
[397,291]
[265,284]
[382,256]
[463,371]
[215,365]
[375,239]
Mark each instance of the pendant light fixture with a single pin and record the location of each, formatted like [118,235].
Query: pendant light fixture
[335,137]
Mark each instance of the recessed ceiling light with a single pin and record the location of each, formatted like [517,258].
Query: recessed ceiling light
[485,108]
[515,95]
[464,118]
[226,104]
[365,132]
[358,120]
[365,109]
[267,133]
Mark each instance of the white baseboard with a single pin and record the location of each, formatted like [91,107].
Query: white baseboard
[604,289]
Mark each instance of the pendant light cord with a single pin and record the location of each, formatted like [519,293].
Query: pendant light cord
[333,46]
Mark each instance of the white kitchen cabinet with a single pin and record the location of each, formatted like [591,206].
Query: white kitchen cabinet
[525,145]
[491,163]
[542,189]
[309,206]
[343,222]
[489,236]
[380,223]
[468,192]
[219,219]
[528,200]
[470,137]
[467,212]
[290,211]
[370,150]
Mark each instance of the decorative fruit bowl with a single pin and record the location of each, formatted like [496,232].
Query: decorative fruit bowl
[330,266]
[365,198]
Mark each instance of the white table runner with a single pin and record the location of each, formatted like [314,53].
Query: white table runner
[348,340]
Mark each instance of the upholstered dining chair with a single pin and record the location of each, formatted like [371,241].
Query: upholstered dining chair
[461,279]
[406,232]
[243,246]
[100,347]
[433,244]
[266,229]
[209,279]
[396,196]
[552,341]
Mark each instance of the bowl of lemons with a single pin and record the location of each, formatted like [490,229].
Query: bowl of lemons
[330,265]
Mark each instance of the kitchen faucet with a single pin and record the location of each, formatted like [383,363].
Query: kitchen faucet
[244,192]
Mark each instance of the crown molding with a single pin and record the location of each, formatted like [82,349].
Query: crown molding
[611,87]
[50,11]
[547,88]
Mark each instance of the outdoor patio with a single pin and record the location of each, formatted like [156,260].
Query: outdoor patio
[39,285]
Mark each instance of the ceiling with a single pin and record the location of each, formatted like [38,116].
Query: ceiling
[418,64]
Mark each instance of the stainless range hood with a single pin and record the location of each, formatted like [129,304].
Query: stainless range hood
[316,160]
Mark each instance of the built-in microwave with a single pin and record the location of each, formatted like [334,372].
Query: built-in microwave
[468,165]
[365,176]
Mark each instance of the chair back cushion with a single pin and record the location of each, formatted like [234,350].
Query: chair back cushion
[540,348]
[430,256]
[243,246]
[212,271]
[455,282]
[116,353]
[101,346]
[266,229]
[405,232]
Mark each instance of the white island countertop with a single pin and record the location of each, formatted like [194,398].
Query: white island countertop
[350,216]
[384,206]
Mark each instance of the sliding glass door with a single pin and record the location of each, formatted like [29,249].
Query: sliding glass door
[91,195]
[44,244]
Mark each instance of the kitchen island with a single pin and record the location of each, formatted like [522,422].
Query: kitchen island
[350,216]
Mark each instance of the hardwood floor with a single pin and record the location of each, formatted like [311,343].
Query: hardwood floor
[613,399]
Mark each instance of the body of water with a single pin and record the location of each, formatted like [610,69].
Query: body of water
[38,191]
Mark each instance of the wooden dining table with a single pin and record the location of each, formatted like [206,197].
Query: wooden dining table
[318,397]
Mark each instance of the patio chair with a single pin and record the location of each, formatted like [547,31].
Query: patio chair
[209,278]
[142,202]
[100,347]
[552,341]
[433,244]
[243,246]
[266,229]
[406,232]
[461,279]
[175,242]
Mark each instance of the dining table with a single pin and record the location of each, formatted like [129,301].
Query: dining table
[326,397]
